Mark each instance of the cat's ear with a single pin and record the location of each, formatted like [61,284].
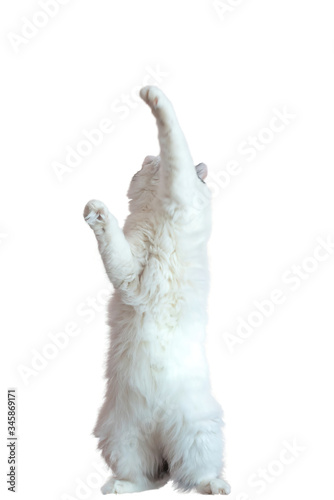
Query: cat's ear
[202,170]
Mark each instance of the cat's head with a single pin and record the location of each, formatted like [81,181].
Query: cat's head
[144,184]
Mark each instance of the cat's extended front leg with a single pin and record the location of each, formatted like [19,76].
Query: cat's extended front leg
[180,179]
[113,246]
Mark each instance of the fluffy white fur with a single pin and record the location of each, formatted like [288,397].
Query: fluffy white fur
[159,420]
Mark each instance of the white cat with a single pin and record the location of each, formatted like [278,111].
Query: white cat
[159,420]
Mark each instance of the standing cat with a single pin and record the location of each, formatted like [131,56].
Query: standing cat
[159,420]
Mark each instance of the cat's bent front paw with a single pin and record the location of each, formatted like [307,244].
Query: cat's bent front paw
[96,214]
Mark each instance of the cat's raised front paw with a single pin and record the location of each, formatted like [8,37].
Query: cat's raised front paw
[96,214]
[154,97]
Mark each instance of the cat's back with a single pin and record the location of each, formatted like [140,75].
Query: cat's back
[171,256]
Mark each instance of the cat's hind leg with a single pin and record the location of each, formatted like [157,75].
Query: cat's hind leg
[193,443]
[199,459]
[136,463]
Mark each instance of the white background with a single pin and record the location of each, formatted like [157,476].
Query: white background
[225,75]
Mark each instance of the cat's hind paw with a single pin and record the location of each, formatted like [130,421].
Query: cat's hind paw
[216,486]
[114,485]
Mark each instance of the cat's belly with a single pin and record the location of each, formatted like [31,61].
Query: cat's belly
[160,358]
[157,351]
